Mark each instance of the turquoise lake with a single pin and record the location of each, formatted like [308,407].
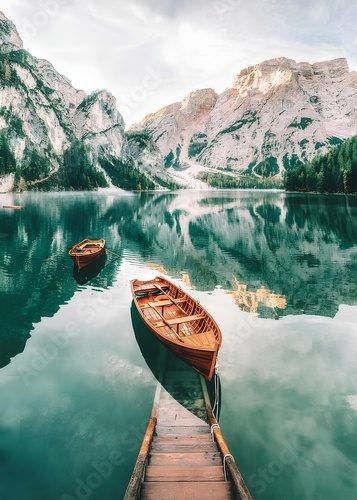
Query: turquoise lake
[277,271]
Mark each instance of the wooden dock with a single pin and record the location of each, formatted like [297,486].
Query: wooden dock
[184,455]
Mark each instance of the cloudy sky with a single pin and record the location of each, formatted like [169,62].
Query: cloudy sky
[150,53]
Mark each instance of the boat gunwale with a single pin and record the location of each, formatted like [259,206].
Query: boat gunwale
[73,252]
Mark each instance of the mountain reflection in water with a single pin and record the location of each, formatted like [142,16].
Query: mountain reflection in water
[276,254]
[78,388]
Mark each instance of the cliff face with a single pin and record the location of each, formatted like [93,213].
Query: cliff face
[274,115]
[42,116]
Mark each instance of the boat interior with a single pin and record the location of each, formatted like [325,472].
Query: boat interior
[174,314]
[88,247]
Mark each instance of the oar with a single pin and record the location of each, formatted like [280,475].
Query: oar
[170,298]
[177,305]
[166,323]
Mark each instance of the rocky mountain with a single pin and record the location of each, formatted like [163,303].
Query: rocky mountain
[54,136]
[275,115]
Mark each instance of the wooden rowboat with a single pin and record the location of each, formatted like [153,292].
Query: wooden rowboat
[86,251]
[180,322]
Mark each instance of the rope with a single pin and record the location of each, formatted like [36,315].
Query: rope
[110,262]
[114,253]
[224,464]
[213,426]
[217,395]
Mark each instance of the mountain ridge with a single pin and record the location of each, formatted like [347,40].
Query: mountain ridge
[49,129]
[275,115]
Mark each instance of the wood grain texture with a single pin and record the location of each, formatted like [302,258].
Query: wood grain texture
[184,473]
[186,491]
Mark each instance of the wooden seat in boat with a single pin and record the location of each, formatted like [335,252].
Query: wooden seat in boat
[163,303]
[184,319]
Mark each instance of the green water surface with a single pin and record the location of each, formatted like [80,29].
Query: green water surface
[279,274]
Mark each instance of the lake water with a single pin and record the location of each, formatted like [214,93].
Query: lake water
[279,274]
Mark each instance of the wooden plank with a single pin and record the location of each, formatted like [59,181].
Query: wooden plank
[193,439]
[186,491]
[202,338]
[163,303]
[181,423]
[146,288]
[200,459]
[185,319]
[179,419]
[182,448]
[159,324]
[182,430]
[184,473]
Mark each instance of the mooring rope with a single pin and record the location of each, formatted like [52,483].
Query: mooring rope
[224,464]
[213,427]
[114,253]
[217,394]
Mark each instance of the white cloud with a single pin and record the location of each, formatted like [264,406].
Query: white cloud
[149,53]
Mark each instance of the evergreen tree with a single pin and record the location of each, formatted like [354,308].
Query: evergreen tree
[78,172]
[332,173]
[37,167]
[7,159]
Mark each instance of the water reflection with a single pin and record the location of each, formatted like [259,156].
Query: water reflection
[87,273]
[36,274]
[286,383]
[250,301]
[277,254]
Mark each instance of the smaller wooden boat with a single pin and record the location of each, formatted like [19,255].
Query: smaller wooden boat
[14,207]
[86,251]
[180,322]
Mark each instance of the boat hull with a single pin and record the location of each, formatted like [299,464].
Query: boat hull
[82,261]
[203,361]
[89,271]
[86,252]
